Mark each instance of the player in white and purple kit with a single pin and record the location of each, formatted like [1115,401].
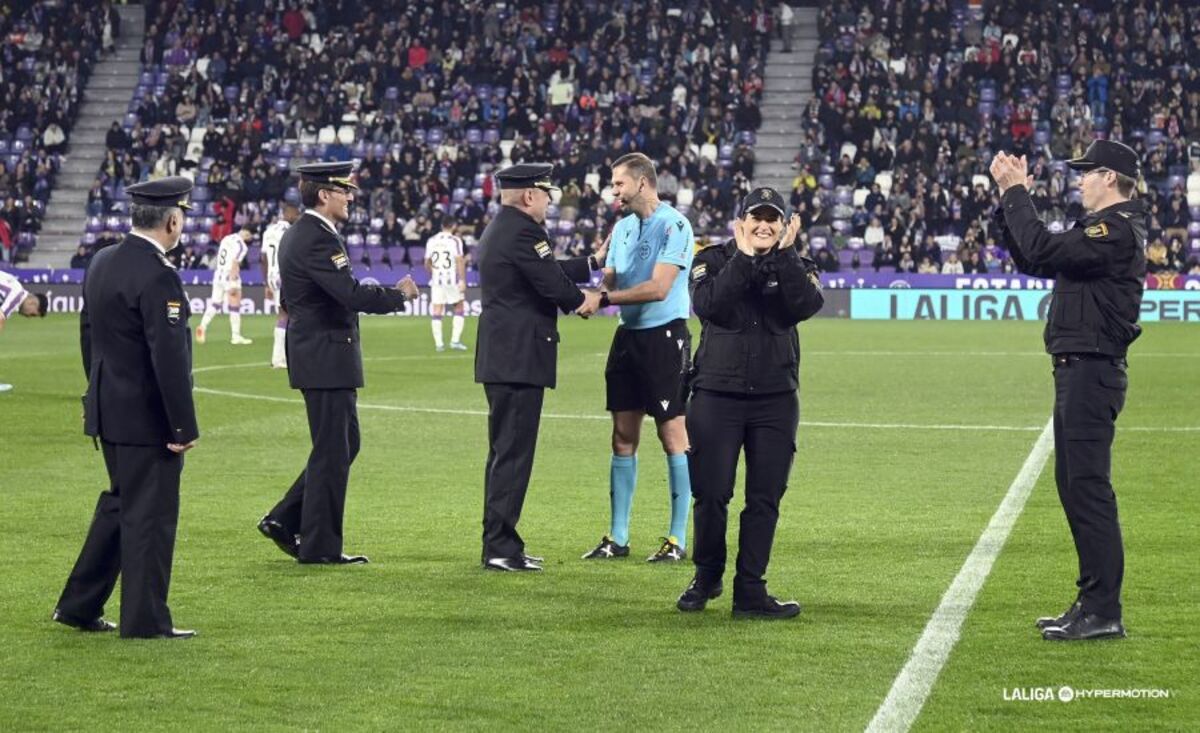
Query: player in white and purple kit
[227,286]
[447,265]
[272,237]
[14,299]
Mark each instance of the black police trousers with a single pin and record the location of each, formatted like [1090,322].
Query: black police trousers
[514,414]
[132,535]
[720,425]
[314,505]
[1089,392]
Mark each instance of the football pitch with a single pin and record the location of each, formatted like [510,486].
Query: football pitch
[912,435]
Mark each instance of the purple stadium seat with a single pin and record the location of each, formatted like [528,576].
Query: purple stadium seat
[459,195]
[416,255]
[95,224]
[201,239]
[89,239]
[3,146]
[1194,229]
[200,193]
[354,240]
[825,180]
[356,252]
[1196,244]
[491,136]
[474,136]
[435,136]
[374,240]
[817,243]
[189,225]
[375,253]
[280,106]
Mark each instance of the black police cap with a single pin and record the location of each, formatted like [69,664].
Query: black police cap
[763,196]
[336,174]
[1109,154]
[527,175]
[170,191]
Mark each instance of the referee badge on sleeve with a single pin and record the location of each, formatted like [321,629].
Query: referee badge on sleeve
[174,311]
[543,249]
[699,271]
[340,261]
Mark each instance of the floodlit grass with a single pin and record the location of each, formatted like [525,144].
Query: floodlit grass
[876,523]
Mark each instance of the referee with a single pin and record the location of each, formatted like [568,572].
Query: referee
[1099,271]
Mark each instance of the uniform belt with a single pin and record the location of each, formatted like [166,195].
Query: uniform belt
[1068,359]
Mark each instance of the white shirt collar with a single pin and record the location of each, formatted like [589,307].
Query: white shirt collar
[328,223]
[157,246]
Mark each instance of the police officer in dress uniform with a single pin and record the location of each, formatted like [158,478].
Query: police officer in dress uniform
[749,294]
[523,287]
[324,357]
[1099,271]
[137,353]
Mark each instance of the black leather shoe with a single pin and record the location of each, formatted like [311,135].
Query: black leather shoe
[534,559]
[1086,626]
[697,595]
[335,560]
[770,607]
[283,539]
[96,625]
[172,634]
[511,564]
[1067,617]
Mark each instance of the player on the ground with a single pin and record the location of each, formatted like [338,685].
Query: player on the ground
[14,298]
[269,260]
[227,286]
[447,265]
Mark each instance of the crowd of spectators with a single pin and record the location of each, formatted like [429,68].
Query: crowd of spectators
[47,52]
[925,93]
[431,97]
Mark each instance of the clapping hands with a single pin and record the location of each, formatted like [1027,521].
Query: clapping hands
[408,288]
[1009,170]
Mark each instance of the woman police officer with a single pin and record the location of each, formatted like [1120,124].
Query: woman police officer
[749,294]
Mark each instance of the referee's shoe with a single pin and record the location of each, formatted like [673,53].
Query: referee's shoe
[607,549]
[669,551]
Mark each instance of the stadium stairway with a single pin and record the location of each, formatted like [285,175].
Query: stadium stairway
[105,99]
[787,88]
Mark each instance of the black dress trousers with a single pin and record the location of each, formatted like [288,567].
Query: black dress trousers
[514,414]
[132,535]
[719,426]
[314,505]
[1089,393]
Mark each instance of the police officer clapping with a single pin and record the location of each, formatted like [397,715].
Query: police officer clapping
[749,294]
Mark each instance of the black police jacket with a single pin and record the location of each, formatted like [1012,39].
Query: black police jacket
[748,309]
[137,348]
[523,287]
[1098,267]
[323,301]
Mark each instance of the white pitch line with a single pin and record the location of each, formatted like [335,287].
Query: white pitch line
[912,686]
[584,416]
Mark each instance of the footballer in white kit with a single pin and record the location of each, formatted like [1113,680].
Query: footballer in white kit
[269,260]
[14,299]
[227,286]
[446,261]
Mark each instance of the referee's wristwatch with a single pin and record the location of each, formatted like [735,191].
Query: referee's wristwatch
[604,301]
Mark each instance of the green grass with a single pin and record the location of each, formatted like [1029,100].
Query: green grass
[874,527]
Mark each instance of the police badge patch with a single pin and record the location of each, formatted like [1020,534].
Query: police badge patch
[543,249]
[174,311]
[699,271]
[340,261]
[1097,231]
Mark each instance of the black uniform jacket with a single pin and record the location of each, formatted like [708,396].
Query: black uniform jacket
[748,309]
[137,348]
[1098,266]
[323,301]
[523,289]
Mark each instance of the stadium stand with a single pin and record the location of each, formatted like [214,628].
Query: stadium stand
[429,99]
[912,100]
[47,52]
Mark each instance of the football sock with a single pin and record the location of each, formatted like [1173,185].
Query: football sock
[680,484]
[278,350]
[436,322]
[622,480]
[235,323]
[210,312]
[456,329]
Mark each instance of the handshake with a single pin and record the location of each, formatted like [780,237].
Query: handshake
[591,303]
[408,288]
